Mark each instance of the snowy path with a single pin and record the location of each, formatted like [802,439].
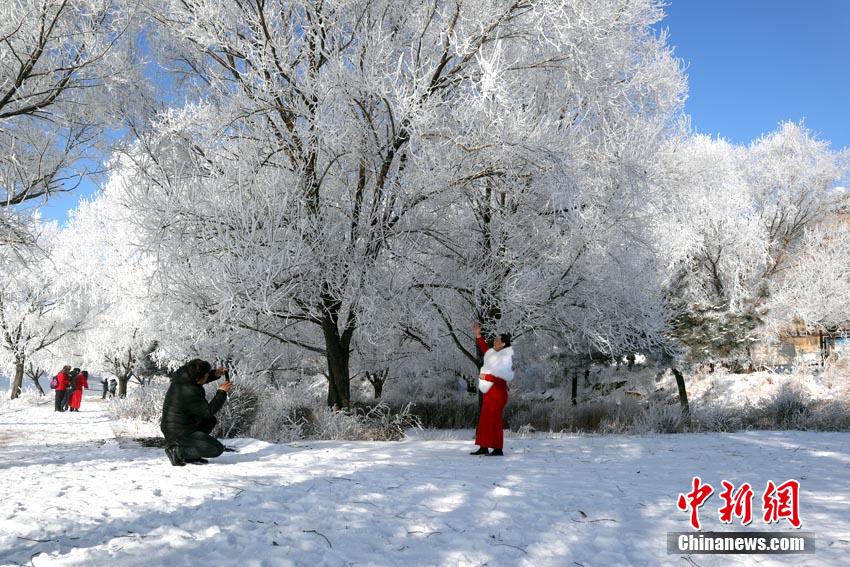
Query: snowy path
[70,495]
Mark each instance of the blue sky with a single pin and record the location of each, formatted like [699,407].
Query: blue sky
[754,63]
[750,64]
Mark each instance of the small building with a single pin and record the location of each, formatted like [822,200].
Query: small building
[802,347]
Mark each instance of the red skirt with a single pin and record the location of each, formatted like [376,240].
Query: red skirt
[76,399]
[489,433]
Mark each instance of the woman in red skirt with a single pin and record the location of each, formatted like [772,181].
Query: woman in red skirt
[80,381]
[493,383]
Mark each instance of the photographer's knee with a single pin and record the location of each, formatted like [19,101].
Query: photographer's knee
[217,449]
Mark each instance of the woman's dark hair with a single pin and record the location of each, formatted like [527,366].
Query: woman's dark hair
[506,338]
[197,368]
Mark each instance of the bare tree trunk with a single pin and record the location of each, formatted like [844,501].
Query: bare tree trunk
[683,397]
[339,386]
[18,381]
[574,389]
[123,379]
[37,385]
[377,380]
[338,355]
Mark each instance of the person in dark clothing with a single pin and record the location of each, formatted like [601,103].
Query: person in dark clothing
[187,417]
[113,385]
[72,385]
[105,385]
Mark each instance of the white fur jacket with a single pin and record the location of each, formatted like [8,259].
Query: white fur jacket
[498,363]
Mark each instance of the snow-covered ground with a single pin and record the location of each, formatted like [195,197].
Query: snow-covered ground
[73,494]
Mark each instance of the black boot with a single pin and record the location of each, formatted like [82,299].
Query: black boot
[496,453]
[480,451]
[175,455]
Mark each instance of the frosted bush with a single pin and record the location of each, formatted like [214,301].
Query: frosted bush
[295,412]
[275,421]
[620,417]
[789,409]
[143,404]
[373,424]
[829,416]
[237,414]
[658,418]
[426,388]
[717,417]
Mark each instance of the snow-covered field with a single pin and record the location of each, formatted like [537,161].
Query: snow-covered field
[73,494]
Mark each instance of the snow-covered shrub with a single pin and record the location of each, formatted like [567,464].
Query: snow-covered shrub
[294,411]
[143,404]
[620,416]
[393,424]
[833,415]
[789,409]
[532,413]
[559,415]
[276,420]
[454,411]
[589,417]
[238,413]
[657,418]
[540,415]
[378,423]
[525,431]
[716,417]
[422,388]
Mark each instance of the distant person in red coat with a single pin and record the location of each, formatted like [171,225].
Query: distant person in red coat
[81,381]
[62,382]
[493,383]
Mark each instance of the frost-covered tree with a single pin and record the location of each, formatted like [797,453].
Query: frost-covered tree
[552,231]
[98,246]
[60,65]
[335,148]
[815,290]
[39,305]
[742,214]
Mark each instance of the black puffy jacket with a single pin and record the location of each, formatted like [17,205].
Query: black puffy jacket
[186,409]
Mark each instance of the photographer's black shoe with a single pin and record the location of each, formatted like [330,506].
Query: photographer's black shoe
[175,456]
[197,462]
[496,453]
[480,451]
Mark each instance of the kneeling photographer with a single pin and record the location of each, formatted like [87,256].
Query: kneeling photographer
[187,417]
